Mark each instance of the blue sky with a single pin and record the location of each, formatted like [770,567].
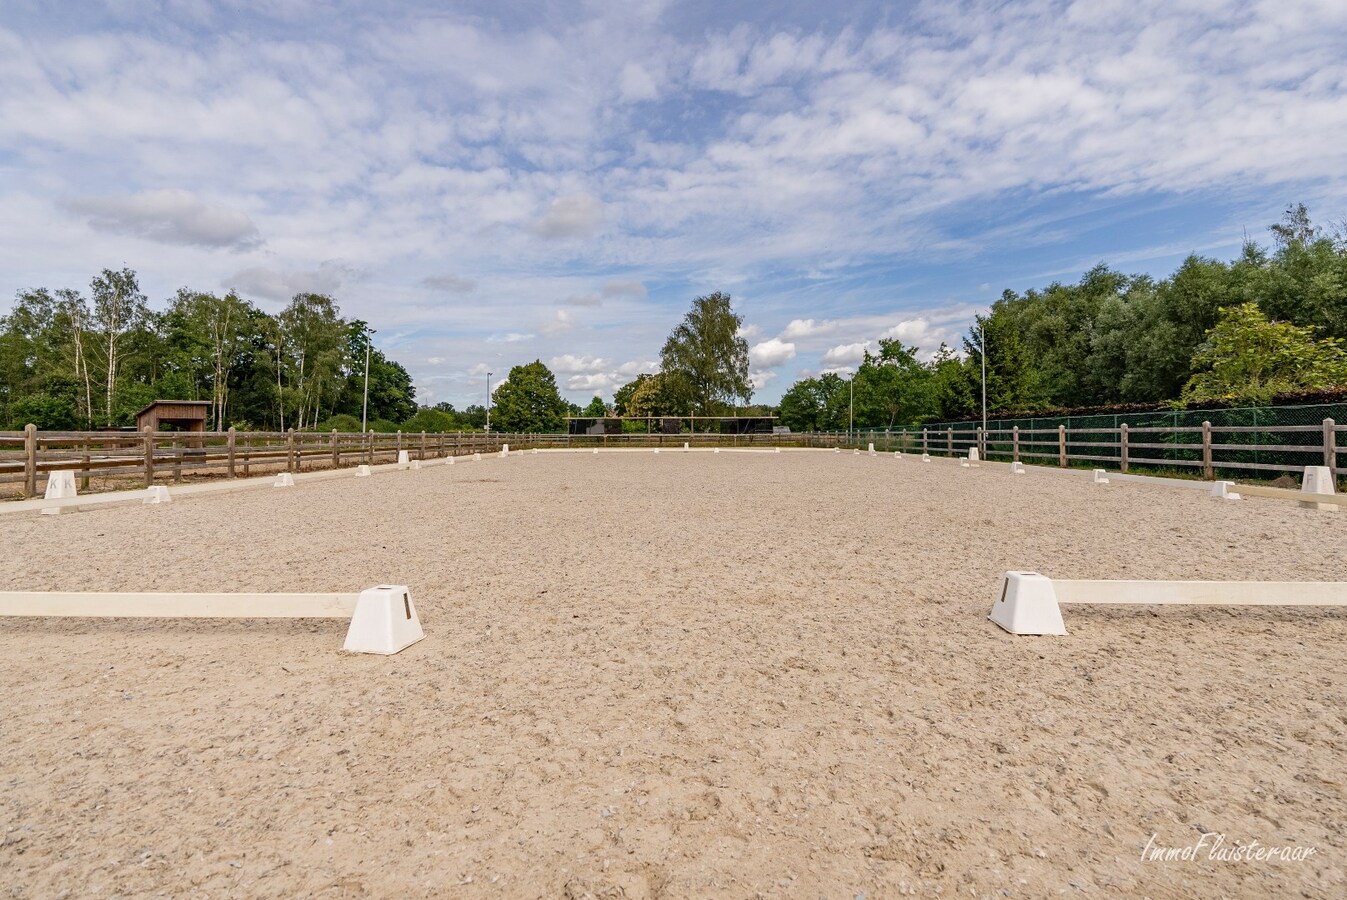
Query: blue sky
[494,182]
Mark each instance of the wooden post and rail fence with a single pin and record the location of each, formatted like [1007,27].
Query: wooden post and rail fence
[127,458]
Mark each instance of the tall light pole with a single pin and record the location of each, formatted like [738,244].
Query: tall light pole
[488,402]
[364,403]
[851,413]
[983,325]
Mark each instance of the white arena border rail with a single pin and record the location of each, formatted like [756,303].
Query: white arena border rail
[1030,603]
[383,618]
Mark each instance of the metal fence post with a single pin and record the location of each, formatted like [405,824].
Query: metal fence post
[1206,451]
[30,460]
[1331,447]
[1122,447]
[230,443]
[1061,446]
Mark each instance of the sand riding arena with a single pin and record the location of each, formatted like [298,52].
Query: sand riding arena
[675,674]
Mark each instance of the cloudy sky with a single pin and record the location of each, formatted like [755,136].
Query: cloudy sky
[490,182]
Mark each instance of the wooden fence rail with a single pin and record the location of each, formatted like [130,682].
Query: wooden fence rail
[120,457]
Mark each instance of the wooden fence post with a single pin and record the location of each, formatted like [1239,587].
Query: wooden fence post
[1331,447]
[149,456]
[369,448]
[949,440]
[1206,451]
[981,442]
[399,443]
[231,442]
[925,441]
[290,450]
[423,445]
[441,450]
[30,460]
[1061,446]
[1015,443]
[84,476]
[336,454]
[1122,447]
[177,461]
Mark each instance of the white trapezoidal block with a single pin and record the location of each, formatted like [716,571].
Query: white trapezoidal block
[1224,490]
[1028,605]
[284,479]
[685,445]
[404,459]
[716,450]
[871,449]
[856,452]
[837,449]
[535,451]
[362,471]
[51,510]
[504,450]
[385,621]
[964,463]
[596,451]
[973,455]
[897,454]
[157,493]
[1017,468]
[1100,476]
[416,464]
[477,457]
[60,485]
[778,450]
[1318,480]
[926,457]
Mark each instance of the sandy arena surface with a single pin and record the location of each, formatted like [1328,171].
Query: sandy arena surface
[675,675]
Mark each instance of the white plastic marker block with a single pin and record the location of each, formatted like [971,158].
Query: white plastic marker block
[362,471]
[973,455]
[1017,468]
[1318,480]
[477,457]
[416,464]
[1223,490]
[778,449]
[656,449]
[685,445]
[51,510]
[404,459]
[60,485]
[1100,476]
[157,493]
[385,621]
[1028,605]
[964,463]
[716,450]
[897,454]
[856,452]
[596,452]
[504,450]
[926,457]
[284,479]
[837,449]
[449,461]
[871,449]
[535,451]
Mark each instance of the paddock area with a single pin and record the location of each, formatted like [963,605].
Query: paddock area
[676,674]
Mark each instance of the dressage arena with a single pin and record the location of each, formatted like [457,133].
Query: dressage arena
[675,674]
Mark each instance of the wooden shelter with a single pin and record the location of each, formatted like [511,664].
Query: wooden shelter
[179,415]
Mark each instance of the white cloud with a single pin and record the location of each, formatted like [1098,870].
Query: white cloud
[560,323]
[759,379]
[800,328]
[570,364]
[509,337]
[570,217]
[637,84]
[168,217]
[769,354]
[280,284]
[846,353]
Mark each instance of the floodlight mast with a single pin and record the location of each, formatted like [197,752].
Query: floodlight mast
[488,402]
[364,403]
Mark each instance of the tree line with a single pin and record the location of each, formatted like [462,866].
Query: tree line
[1266,324]
[74,362]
